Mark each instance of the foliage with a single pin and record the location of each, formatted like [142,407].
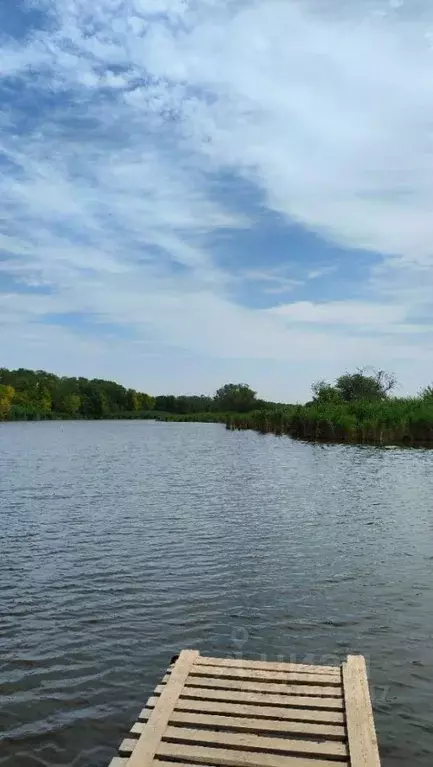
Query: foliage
[427,393]
[38,394]
[7,394]
[184,404]
[407,421]
[357,408]
[236,398]
[362,385]
[324,392]
[41,395]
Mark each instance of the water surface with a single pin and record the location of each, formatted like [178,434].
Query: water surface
[122,542]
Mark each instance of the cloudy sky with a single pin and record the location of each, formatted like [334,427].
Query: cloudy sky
[201,191]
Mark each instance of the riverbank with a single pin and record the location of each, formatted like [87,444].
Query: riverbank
[407,421]
[35,395]
[151,415]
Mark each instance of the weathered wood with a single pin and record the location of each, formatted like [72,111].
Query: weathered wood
[137,729]
[279,713]
[238,696]
[359,714]
[162,763]
[263,687]
[212,712]
[227,757]
[267,666]
[251,742]
[144,752]
[144,713]
[127,746]
[249,724]
[282,677]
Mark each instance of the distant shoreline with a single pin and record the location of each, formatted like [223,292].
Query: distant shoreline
[357,409]
[403,422]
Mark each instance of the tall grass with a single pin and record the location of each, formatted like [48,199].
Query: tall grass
[407,421]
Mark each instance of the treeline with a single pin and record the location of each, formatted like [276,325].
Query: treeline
[357,408]
[36,394]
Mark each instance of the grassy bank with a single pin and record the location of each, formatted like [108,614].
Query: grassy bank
[405,421]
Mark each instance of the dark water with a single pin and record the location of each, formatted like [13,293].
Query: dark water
[123,542]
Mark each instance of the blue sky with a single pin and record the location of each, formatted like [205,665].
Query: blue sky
[201,191]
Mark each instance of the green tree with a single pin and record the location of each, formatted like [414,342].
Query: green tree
[363,386]
[132,400]
[70,404]
[166,403]
[43,399]
[7,394]
[37,393]
[146,402]
[324,392]
[235,398]
[94,402]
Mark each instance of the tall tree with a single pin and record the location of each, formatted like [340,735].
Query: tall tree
[132,400]
[324,392]
[146,402]
[235,398]
[6,397]
[70,404]
[364,385]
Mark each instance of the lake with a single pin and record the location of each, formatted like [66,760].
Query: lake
[123,542]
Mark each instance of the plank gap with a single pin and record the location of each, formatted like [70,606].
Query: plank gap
[264,687]
[257,743]
[267,713]
[169,752]
[285,729]
[277,677]
[333,704]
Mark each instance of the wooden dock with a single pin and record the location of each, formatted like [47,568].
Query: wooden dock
[240,713]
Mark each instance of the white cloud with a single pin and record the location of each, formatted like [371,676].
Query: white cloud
[332,119]
[342,312]
[112,196]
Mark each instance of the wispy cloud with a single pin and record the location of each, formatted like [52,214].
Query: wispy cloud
[120,127]
[342,312]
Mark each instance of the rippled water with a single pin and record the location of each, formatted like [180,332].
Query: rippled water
[122,542]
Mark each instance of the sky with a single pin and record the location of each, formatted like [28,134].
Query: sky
[196,192]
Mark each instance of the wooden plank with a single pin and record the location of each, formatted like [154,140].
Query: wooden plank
[271,666]
[278,689]
[144,751]
[248,724]
[227,757]
[151,703]
[359,714]
[137,729]
[255,711]
[162,763]
[250,742]
[146,712]
[266,676]
[237,696]
[127,746]
[118,761]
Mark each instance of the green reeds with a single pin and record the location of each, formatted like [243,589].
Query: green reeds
[407,421]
